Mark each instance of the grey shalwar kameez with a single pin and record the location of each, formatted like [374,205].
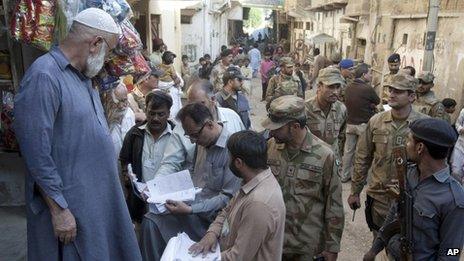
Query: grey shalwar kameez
[67,147]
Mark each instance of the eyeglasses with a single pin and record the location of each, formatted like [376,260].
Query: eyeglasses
[195,136]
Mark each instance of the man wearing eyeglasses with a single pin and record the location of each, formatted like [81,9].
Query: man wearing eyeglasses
[231,97]
[426,101]
[211,173]
[75,206]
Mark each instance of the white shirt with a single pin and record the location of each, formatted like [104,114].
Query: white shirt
[153,151]
[119,131]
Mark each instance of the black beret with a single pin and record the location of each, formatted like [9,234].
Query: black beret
[435,131]
[394,58]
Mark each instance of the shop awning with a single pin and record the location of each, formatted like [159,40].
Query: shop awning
[322,38]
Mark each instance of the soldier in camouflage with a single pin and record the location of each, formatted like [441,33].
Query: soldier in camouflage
[384,131]
[394,66]
[285,83]
[326,114]
[426,101]
[218,70]
[305,167]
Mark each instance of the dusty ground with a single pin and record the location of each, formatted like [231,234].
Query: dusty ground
[356,236]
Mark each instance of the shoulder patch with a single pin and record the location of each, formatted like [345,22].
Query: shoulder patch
[310,167]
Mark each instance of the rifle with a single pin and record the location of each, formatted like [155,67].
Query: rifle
[405,204]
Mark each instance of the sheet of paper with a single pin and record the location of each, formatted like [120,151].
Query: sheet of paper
[387,107]
[177,249]
[177,186]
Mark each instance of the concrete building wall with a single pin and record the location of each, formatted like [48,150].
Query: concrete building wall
[400,26]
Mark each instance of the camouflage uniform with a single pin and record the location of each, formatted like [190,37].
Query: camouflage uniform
[216,76]
[280,85]
[310,185]
[427,103]
[374,148]
[385,92]
[331,127]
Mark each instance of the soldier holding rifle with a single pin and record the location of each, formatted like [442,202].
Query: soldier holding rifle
[426,222]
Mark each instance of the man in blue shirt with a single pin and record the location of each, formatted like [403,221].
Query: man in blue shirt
[75,205]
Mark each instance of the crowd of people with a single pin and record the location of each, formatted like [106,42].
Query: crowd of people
[273,195]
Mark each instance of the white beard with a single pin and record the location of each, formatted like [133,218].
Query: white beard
[95,63]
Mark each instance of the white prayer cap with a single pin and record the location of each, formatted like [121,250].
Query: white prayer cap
[98,19]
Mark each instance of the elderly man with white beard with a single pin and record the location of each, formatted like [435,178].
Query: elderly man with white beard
[119,115]
[75,204]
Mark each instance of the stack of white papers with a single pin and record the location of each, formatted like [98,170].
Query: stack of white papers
[177,249]
[177,186]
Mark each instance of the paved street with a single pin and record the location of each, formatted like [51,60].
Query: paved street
[356,236]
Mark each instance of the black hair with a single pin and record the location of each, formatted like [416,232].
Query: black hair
[207,56]
[225,53]
[202,59]
[361,69]
[255,45]
[229,76]
[449,103]
[316,51]
[166,56]
[198,112]
[412,69]
[302,122]
[250,147]
[184,57]
[223,48]
[157,99]
[436,151]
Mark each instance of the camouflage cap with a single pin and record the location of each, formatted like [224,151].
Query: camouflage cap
[426,77]
[335,57]
[402,81]
[330,75]
[287,61]
[284,110]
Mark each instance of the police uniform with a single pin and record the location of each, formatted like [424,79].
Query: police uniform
[427,103]
[438,204]
[374,151]
[280,85]
[311,188]
[331,127]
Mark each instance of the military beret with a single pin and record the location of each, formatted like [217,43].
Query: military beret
[284,110]
[346,64]
[426,77]
[394,58]
[330,75]
[402,81]
[286,61]
[435,131]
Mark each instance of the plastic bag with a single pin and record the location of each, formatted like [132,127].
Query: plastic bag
[33,22]
[120,10]
[129,41]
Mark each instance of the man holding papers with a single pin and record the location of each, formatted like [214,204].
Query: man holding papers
[251,227]
[211,173]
